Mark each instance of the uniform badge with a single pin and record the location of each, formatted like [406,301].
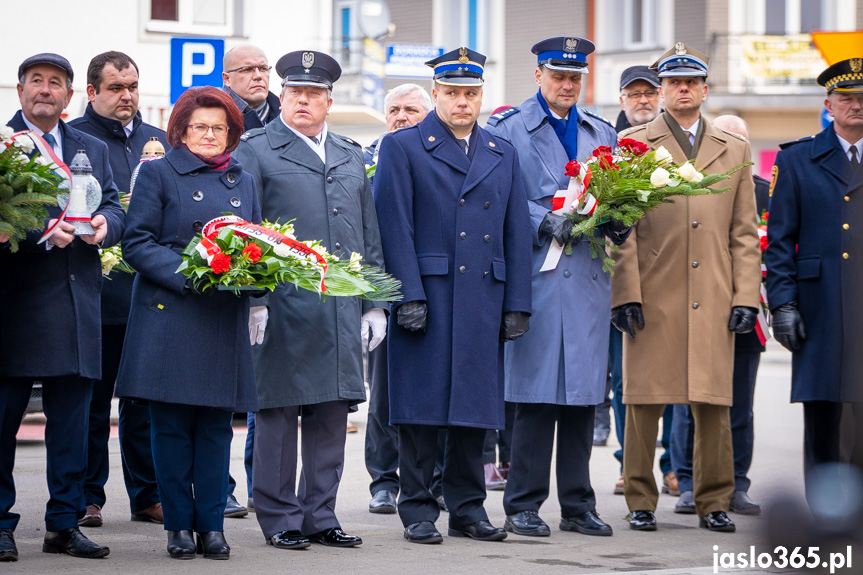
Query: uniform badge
[680,48]
[462,55]
[308,60]
[570,45]
[773,180]
[856,64]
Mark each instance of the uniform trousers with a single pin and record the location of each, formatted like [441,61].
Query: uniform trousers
[527,485]
[192,452]
[65,401]
[463,479]
[281,504]
[136,453]
[713,458]
[822,422]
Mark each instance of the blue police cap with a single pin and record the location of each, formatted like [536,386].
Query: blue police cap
[55,60]
[461,67]
[565,54]
[845,76]
[308,68]
[681,61]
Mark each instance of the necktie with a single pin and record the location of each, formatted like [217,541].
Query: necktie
[462,144]
[691,137]
[855,163]
[49,139]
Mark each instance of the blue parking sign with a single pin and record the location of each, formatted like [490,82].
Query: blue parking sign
[195,62]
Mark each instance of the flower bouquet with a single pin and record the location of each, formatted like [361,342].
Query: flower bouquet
[112,260]
[233,254]
[622,185]
[761,327]
[27,184]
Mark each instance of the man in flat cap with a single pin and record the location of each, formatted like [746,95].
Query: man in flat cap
[814,270]
[49,302]
[309,358]
[685,282]
[456,232]
[556,373]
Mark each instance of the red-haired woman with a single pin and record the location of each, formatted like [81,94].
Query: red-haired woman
[187,354]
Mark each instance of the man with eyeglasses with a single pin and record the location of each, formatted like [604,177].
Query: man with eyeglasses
[246,79]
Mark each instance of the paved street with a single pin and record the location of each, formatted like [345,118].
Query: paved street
[677,547]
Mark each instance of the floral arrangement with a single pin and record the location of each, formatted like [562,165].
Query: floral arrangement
[622,185]
[27,185]
[112,258]
[232,254]
[761,327]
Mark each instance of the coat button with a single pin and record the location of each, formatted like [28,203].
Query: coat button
[338,246]
[235,202]
[198,195]
[847,199]
[335,211]
[128,149]
[198,226]
[595,276]
[486,238]
[461,202]
[484,274]
[695,264]
[462,269]
[845,256]
[231,177]
[463,235]
[330,180]
[566,274]
[695,305]
[487,205]
[72,276]
[845,226]
[694,224]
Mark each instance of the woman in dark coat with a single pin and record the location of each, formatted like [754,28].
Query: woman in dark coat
[188,354]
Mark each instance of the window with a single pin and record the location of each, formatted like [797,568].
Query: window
[204,17]
[467,24]
[782,17]
[630,24]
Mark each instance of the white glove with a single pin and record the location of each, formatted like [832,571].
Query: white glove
[376,320]
[257,324]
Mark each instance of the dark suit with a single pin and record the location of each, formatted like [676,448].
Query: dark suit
[124,154]
[49,302]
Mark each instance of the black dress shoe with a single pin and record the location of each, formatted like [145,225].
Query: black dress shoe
[686,503]
[588,523]
[181,544]
[717,521]
[213,545]
[526,523]
[72,542]
[384,501]
[642,521]
[335,537]
[422,532]
[8,550]
[289,540]
[233,507]
[740,503]
[481,531]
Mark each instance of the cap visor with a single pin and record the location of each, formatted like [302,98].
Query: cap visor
[311,83]
[687,72]
[459,81]
[559,68]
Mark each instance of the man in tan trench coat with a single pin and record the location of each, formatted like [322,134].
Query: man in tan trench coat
[687,278]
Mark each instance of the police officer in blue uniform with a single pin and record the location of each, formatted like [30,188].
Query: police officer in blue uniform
[556,374]
[455,230]
[815,266]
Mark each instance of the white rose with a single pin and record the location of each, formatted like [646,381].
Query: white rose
[354,264]
[282,250]
[662,155]
[25,143]
[659,177]
[22,159]
[6,132]
[698,177]
[688,172]
[43,161]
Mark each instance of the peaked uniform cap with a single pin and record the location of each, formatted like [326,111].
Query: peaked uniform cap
[460,67]
[564,53]
[681,61]
[308,68]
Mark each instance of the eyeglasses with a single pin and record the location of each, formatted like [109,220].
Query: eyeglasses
[635,96]
[250,69]
[202,129]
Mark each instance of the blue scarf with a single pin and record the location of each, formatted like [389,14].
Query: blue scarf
[567,132]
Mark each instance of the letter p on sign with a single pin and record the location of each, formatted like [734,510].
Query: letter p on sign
[195,62]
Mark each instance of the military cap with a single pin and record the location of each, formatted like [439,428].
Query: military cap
[55,60]
[681,61]
[845,76]
[461,67]
[634,73]
[565,54]
[308,68]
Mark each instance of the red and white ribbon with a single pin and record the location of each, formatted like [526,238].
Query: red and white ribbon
[565,202]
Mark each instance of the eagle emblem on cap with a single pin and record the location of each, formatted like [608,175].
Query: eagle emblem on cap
[462,55]
[570,44]
[856,64]
[680,48]
[308,60]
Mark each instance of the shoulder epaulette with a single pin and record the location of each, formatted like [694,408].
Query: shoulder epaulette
[349,141]
[789,144]
[252,133]
[597,116]
[736,135]
[630,130]
[503,114]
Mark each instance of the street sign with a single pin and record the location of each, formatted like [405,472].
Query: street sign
[408,60]
[195,62]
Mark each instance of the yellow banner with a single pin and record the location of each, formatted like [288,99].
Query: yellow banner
[791,56]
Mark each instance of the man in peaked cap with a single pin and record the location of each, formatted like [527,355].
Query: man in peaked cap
[556,373]
[685,296]
[814,270]
[455,228]
[308,357]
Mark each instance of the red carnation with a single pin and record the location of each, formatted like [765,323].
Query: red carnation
[764,215]
[221,263]
[573,168]
[606,161]
[253,251]
[602,151]
[763,243]
[633,146]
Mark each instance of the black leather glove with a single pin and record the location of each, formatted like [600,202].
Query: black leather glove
[742,319]
[513,325]
[625,317]
[788,326]
[557,227]
[413,315]
[616,231]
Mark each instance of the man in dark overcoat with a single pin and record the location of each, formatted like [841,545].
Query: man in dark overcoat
[49,302]
[456,232]
[112,116]
[309,361]
[246,79]
[814,270]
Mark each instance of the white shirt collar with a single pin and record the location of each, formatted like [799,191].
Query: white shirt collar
[693,129]
[129,127]
[318,148]
[846,147]
[56,132]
